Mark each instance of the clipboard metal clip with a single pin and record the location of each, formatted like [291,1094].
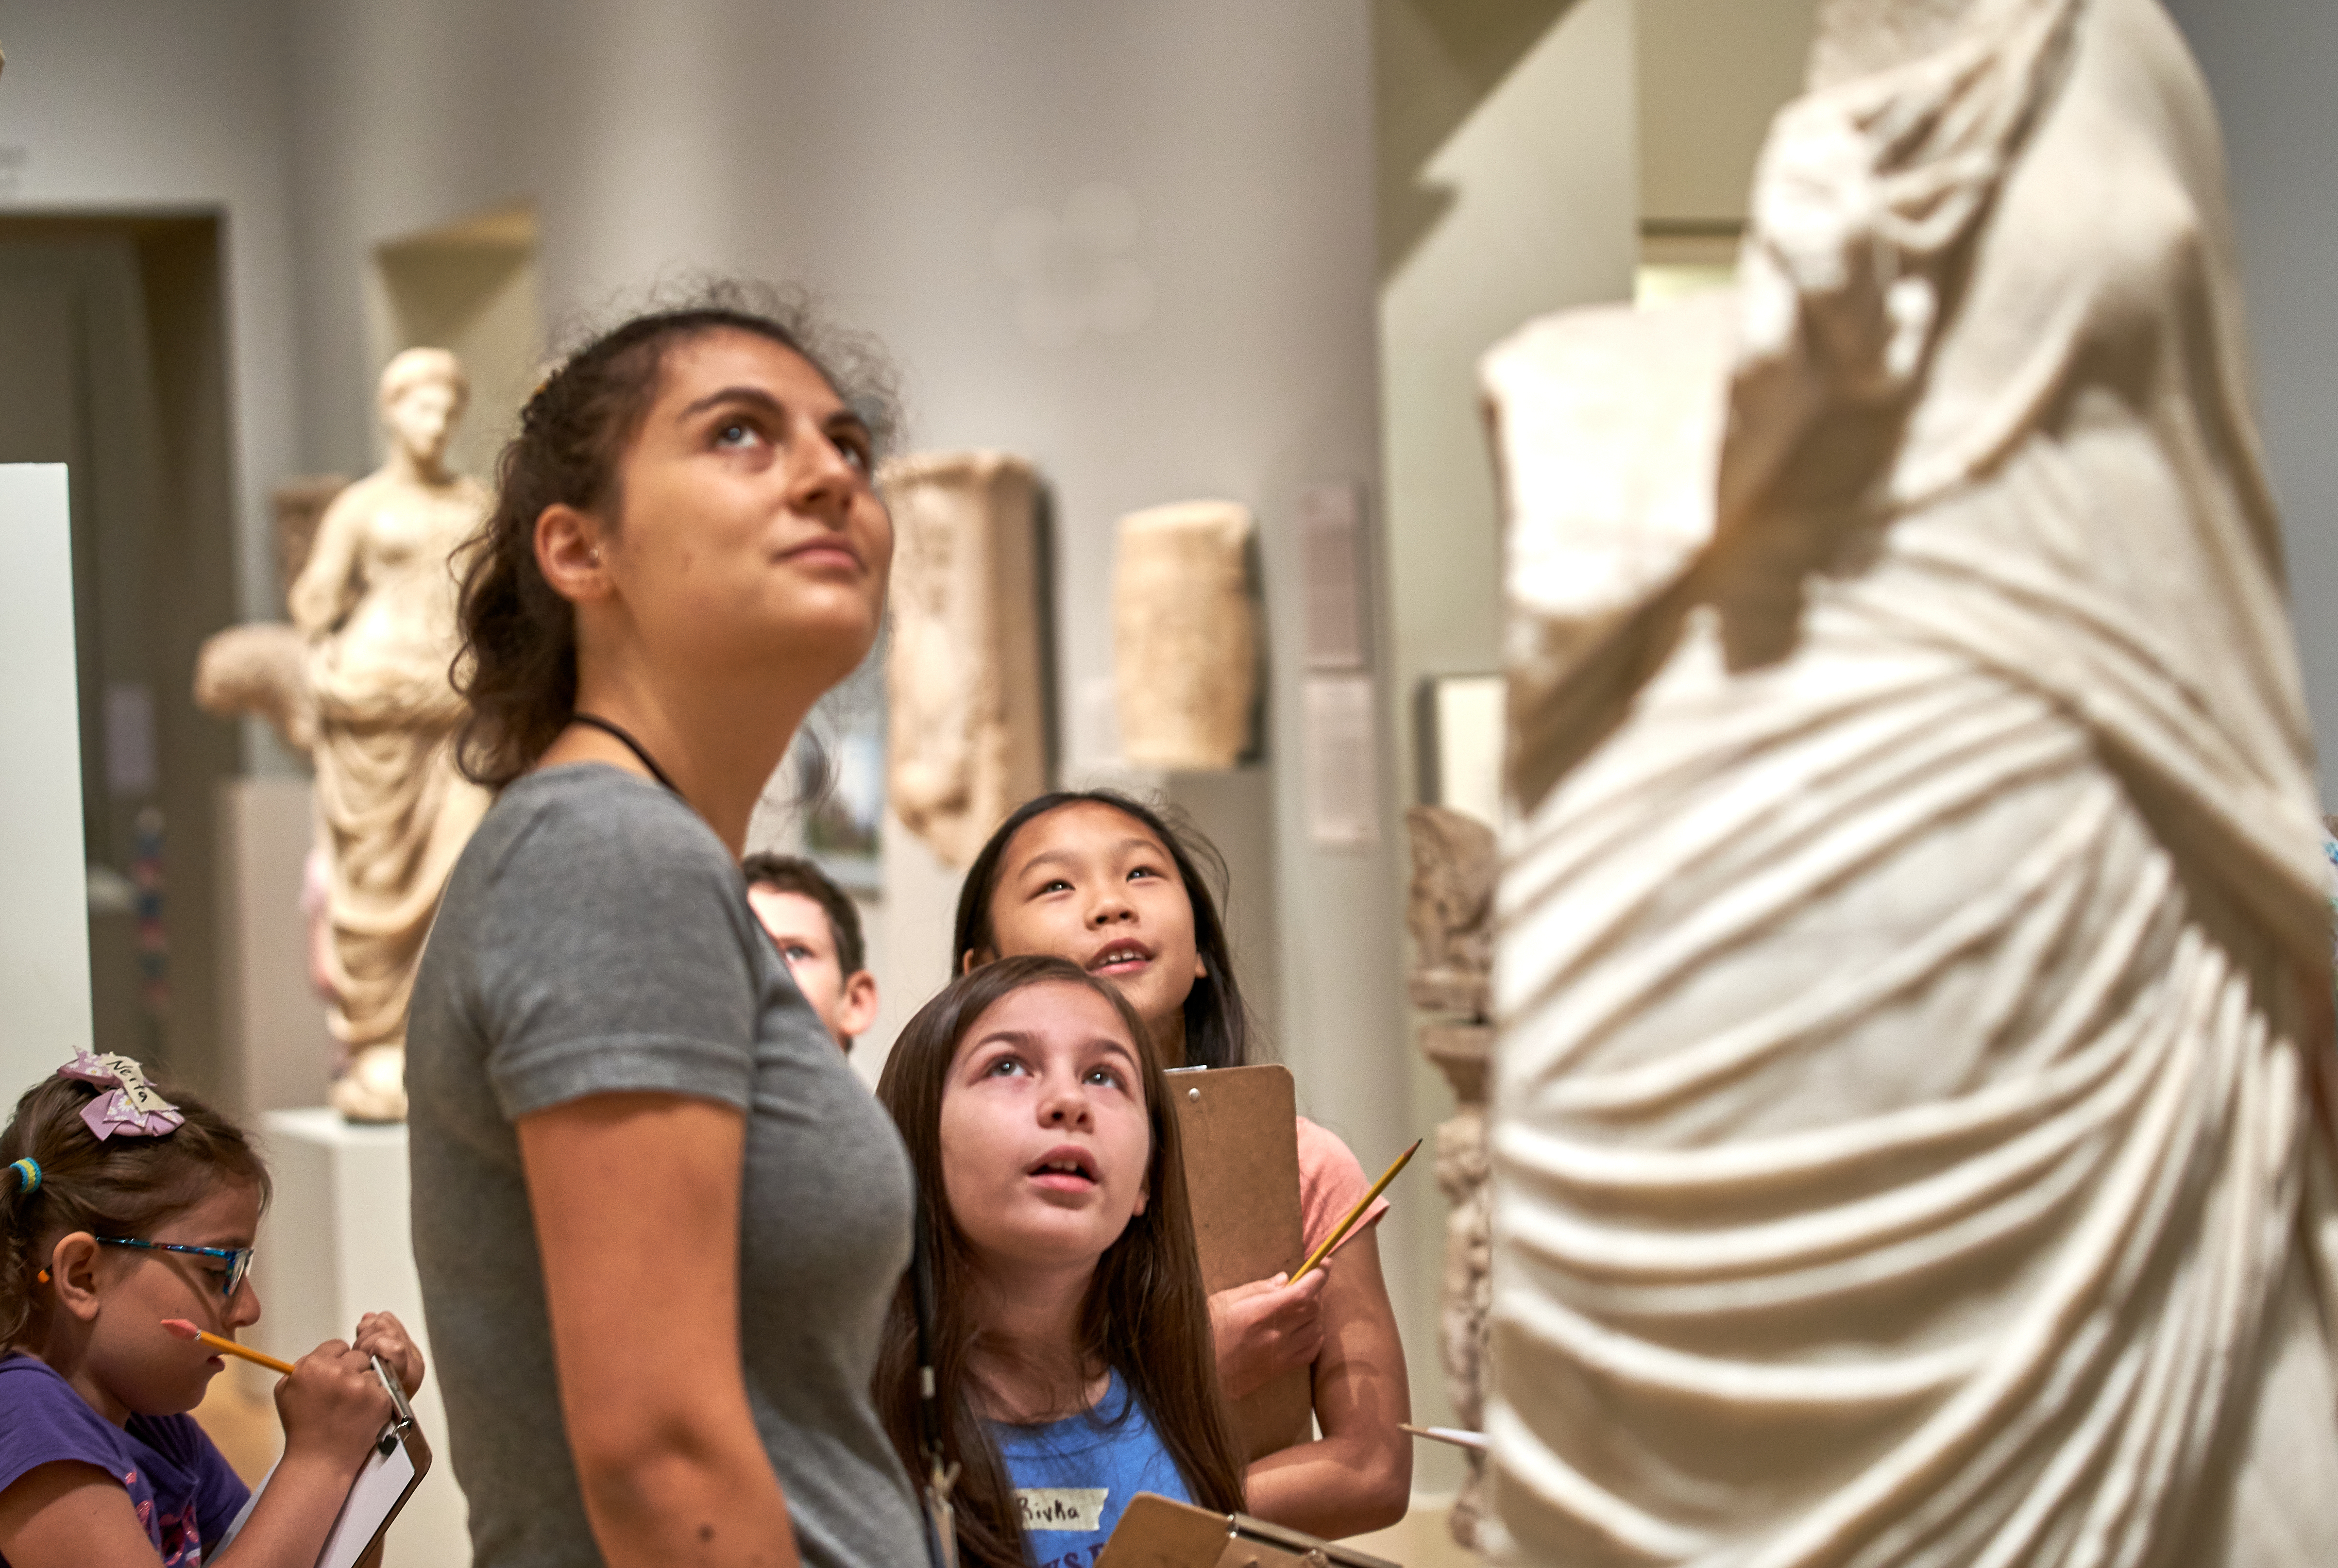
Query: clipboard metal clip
[401,1420]
[941,1516]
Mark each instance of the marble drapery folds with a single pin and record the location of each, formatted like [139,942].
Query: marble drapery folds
[1912,1123]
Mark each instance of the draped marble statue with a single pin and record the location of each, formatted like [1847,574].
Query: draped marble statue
[1913,1115]
[375,603]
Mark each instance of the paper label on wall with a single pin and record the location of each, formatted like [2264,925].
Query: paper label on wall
[1342,761]
[1331,545]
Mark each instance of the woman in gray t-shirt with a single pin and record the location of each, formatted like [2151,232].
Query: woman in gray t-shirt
[657,1218]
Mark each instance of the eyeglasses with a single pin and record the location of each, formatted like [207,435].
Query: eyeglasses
[239,1258]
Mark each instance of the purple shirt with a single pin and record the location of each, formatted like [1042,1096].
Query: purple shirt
[181,1486]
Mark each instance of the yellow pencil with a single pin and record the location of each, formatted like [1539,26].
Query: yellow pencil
[186,1330]
[1341,1230]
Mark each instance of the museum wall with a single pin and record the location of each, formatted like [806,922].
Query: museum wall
[1505,135]
[155,107]
[2269,65]
[1710,75]
[870,153]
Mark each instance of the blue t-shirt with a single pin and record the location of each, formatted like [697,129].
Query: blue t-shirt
[186,1494]
[1075,1477]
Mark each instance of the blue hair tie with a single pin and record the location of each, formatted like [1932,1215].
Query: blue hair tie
[28,1175]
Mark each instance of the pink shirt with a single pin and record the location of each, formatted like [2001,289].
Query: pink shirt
[1330,1182]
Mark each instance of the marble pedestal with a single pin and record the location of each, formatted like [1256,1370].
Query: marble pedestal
[336,1244]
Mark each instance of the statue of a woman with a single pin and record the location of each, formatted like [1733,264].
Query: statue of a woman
[1912,1139]
[376,605]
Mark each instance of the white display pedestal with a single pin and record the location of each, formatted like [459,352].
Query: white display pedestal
[335,1245]
[44,1012]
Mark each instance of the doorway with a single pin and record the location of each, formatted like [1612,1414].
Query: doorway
[112,362]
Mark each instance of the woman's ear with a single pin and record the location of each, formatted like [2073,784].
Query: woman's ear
[974,958]
[568,552]
[72,1268]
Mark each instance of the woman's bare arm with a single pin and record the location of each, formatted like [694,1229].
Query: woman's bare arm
[637,1204]
[1358,1475]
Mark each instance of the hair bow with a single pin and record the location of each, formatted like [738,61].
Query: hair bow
[133,1108]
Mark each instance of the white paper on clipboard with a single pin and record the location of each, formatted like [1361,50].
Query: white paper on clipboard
[390,1473]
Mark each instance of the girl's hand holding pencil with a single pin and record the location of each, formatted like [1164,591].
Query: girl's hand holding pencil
[378,1335]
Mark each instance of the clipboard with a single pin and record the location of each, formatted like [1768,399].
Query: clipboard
[1239,1128]
[392,1470]
[1158,1532]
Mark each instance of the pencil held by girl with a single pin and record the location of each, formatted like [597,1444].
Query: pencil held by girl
[1071,1334]
[1107,883]
[119,1209]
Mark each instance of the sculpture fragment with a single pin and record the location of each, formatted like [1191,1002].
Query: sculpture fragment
[965,677]
[1451,914]
[1185,635]
[1913,1115]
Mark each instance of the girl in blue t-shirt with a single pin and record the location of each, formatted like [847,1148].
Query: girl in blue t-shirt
[119,1210]
[1071,1334]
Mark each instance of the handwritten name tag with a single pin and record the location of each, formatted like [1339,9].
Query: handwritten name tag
[1063,1508]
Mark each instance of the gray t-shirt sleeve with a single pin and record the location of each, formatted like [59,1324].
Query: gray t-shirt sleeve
[611,958]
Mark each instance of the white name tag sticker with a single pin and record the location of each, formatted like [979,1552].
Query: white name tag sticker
[1063,1508]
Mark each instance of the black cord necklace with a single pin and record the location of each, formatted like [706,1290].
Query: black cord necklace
[594,721]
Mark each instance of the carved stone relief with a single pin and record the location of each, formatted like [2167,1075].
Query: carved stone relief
[965,685]
[1450,915]
[1912,1130]
[1185,635]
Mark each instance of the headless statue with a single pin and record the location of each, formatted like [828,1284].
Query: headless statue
[1912,1119]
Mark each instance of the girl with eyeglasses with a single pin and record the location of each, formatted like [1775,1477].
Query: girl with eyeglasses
[119,1209]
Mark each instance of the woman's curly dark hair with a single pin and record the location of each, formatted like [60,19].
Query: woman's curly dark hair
[517,663]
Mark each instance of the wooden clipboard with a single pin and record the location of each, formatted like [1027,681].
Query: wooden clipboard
[1159,1532]
[1239,1128]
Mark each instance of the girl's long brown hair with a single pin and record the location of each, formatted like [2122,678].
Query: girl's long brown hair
[1146,1315]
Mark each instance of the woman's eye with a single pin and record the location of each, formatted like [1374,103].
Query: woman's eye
[1005,1067]
[1104,1075]
[738,433]
[795,953]
[1055,885]
[1142,871]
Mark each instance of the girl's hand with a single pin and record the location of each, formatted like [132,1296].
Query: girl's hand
[332,1405]
[379,1334]
[1265,1328]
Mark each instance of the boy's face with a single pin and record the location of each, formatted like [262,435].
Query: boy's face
[799,928]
